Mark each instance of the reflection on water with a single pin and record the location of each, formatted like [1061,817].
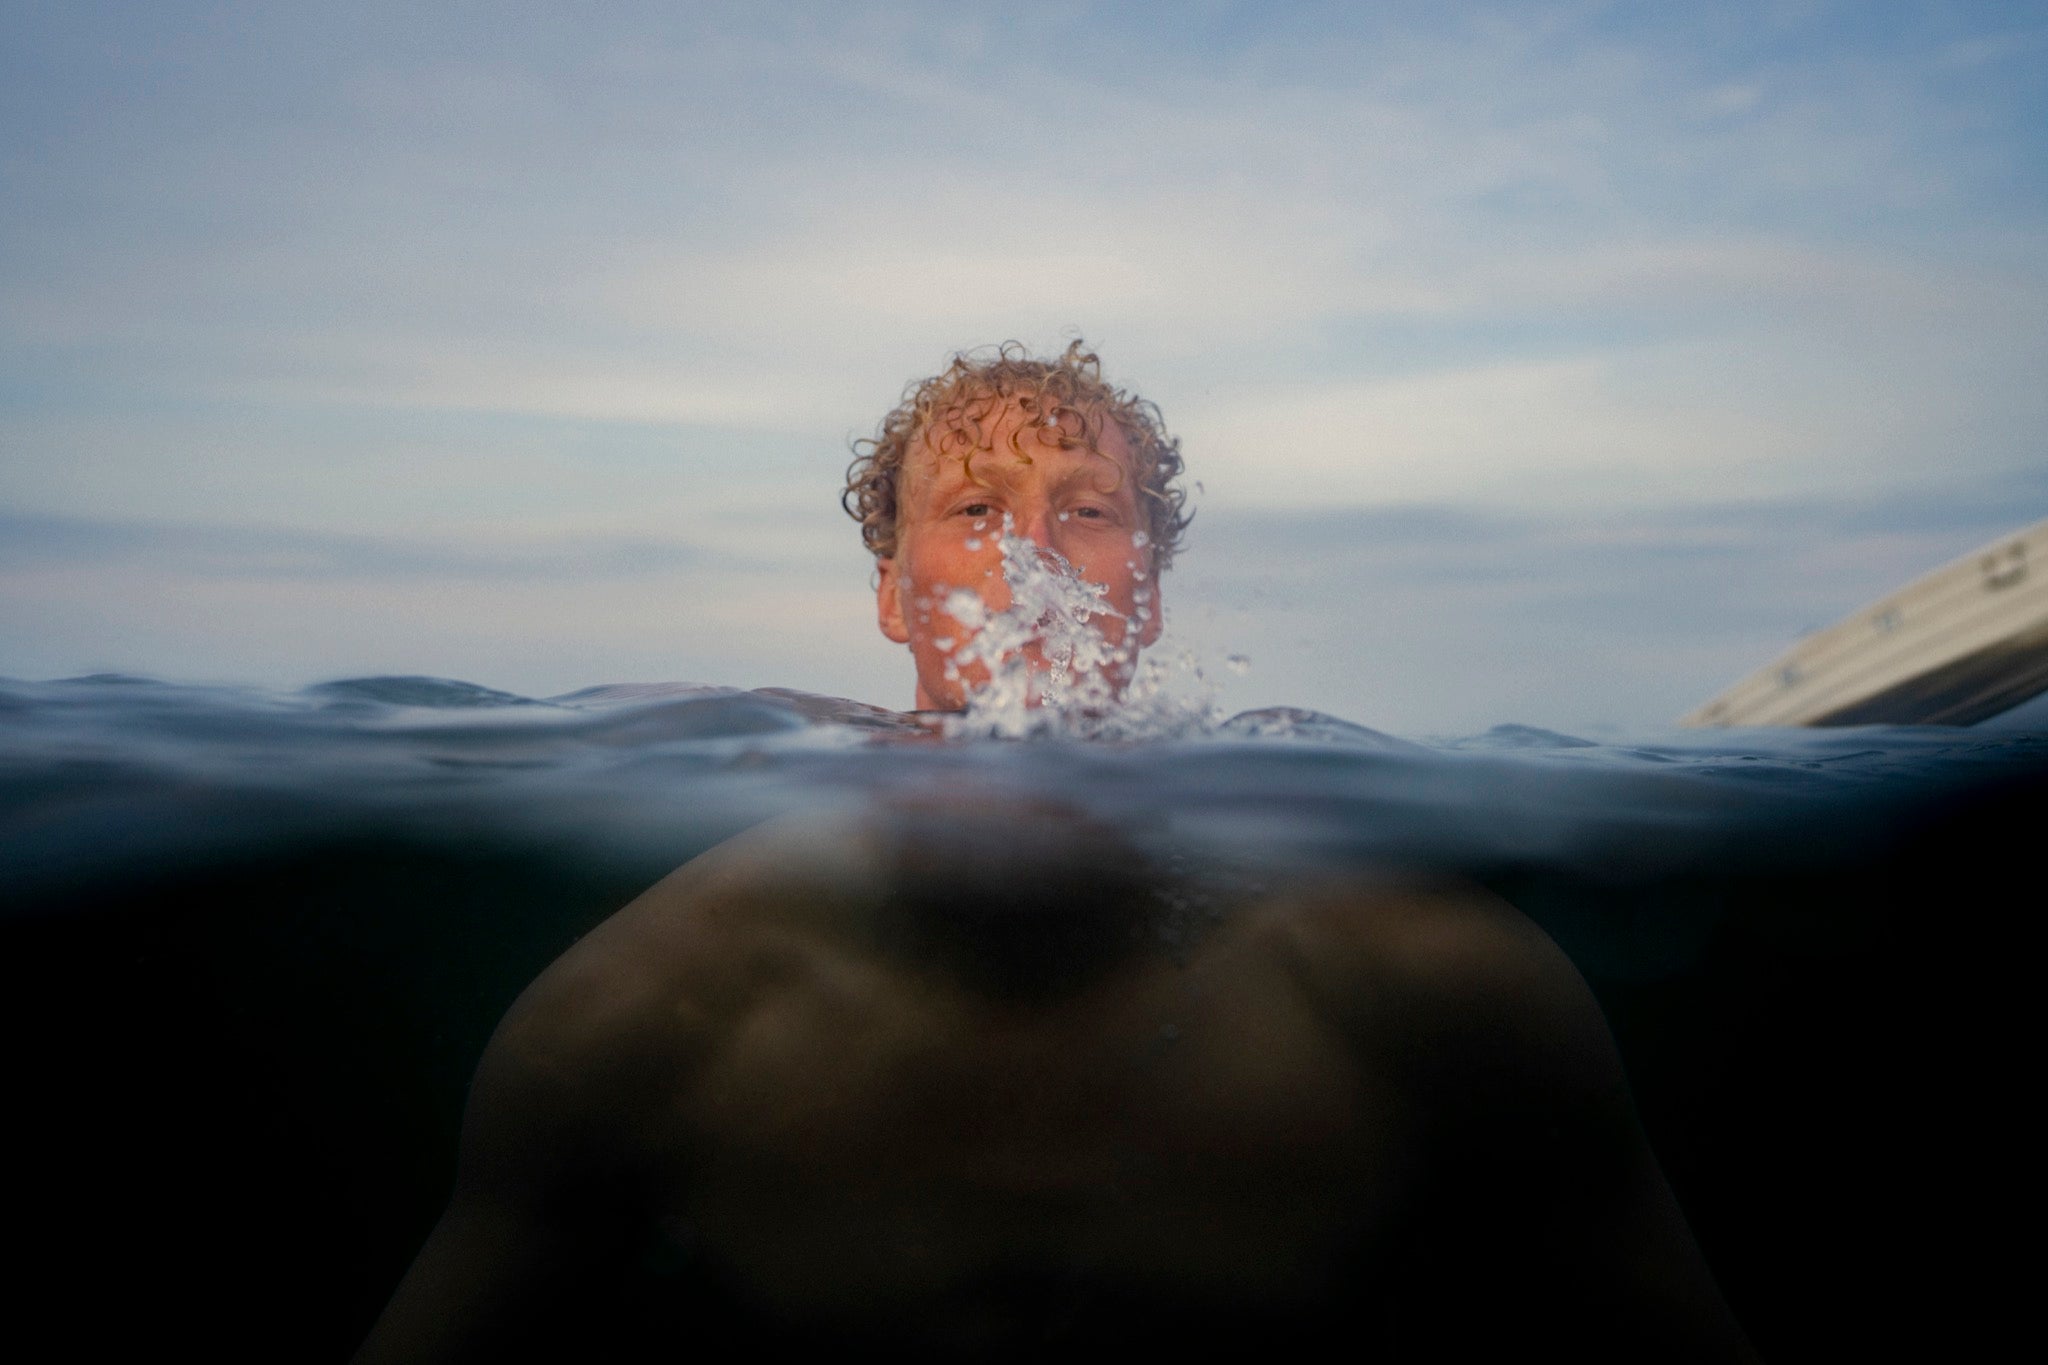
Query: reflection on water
[257,941]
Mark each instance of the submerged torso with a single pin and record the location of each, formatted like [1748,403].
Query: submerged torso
[884,1147]
[868,1147]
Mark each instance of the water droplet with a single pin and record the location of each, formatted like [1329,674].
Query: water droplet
[1081,675]
[1238,664]
[1139,540]
[974,542]
[1064,516]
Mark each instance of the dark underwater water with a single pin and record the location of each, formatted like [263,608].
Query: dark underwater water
[255,943]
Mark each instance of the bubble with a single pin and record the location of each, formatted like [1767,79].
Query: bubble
[966,607]
[1050,667]
[1065,515]
[1139,540]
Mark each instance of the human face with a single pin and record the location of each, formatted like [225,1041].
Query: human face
[1080,503]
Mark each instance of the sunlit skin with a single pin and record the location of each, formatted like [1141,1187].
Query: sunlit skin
[1078,502]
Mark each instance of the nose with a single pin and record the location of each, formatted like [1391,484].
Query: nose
[1035,524]
[1038,523]
[1042,526]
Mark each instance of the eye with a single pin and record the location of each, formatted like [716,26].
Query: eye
[977,509]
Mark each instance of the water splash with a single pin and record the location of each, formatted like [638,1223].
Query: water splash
[1053,670]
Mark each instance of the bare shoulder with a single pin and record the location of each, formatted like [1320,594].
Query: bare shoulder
[793,874]
[1454,989]
[570,1118]
[1543,1186]
[1441,946]
[653,985]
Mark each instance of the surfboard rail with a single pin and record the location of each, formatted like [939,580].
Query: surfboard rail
[1952,647]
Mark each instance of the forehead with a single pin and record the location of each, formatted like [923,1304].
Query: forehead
[1011,443]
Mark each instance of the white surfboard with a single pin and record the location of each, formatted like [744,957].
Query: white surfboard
[1963,643]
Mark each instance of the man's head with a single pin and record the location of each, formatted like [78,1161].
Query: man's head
[1078,467]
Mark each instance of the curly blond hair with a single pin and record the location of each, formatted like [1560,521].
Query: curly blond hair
[1068,402]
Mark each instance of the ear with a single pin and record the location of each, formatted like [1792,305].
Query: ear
[889,602]
[1148,635]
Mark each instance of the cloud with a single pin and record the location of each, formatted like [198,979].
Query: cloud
[345,300]
[535,616]
[1442,619]
[254,553]
[1968,54]
[770,224]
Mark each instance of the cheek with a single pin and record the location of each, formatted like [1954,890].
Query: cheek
[1117,567]
[929,579]
[970,560]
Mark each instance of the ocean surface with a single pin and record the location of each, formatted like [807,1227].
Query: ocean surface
[256,941]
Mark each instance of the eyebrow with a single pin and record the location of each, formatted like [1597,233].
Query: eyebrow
[1085,472]
[948,476]
[950,480]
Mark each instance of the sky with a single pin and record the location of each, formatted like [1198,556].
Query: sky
[1541,363]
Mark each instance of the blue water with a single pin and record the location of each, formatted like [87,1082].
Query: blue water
[112,777]
[257,939]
